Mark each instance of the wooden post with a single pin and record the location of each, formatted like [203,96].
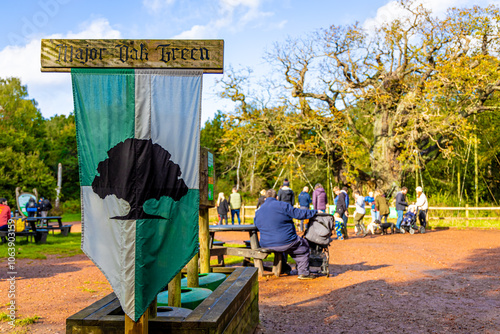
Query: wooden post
[476,172]
[458,186]
[192,272]
[174,291]
[242,213]
[467,214]
[141,326]
[153,309]
[204,242]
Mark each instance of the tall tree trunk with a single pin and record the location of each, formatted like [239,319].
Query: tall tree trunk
[386,169]
[240,153]
[252,175]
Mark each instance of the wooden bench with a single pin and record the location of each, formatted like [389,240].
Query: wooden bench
[65,229]
[51,223]
[40,235]
[258,255]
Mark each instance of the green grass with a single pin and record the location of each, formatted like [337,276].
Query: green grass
[462,223]
[57,244]
[71,217]
[4,317]
[27,321]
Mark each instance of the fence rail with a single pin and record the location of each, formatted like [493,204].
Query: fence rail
[247,213]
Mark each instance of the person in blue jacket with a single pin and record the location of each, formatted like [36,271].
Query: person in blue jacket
[274,220]
[304,202]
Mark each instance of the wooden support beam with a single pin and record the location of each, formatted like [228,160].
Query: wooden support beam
[174,291]
[139,327]
[204,242]
[192,272]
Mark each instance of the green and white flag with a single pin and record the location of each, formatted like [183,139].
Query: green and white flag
[138,149]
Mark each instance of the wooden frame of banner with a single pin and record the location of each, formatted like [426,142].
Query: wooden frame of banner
[61,55]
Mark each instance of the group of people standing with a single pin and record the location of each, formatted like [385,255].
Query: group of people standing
[376,200]
[233,205]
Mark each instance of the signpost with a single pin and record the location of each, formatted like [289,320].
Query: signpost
[61,55]
[66,55]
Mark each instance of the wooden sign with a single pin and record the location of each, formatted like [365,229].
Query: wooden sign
[207,179]
[61,55]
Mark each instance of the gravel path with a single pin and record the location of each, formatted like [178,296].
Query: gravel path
[441,281]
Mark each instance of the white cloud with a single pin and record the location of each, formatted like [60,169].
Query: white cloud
[232,15]
[155,5]
[51,90]
[393,10]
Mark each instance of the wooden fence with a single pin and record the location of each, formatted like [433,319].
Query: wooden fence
[247,213]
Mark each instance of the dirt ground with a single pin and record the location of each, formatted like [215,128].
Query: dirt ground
[438,282]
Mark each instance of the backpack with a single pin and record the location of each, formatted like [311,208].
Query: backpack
[31,207]
[319,229]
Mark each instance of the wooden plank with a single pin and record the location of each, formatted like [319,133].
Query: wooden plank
[137,327]
[94,318]
[78,317]
[198,313]
[216,251]
[221,310]
[233,309]
[246,252]
[246,319]
[64,54]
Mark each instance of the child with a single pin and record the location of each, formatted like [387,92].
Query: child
[222,208]
[339,223]
[409,216]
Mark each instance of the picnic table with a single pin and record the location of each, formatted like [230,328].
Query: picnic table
[51,223]
[31,231]
[254,252]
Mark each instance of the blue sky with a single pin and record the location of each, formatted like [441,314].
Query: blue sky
[248,28]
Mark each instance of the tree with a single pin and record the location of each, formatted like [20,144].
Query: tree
[60,147]
[404,90]
[22,139]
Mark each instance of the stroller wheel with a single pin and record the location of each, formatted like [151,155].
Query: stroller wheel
[422,229]
[402,230]
[412,231]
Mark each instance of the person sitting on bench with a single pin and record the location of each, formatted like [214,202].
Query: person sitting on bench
[4,217]
[274,220]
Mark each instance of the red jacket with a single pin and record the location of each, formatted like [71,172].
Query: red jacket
[4,215]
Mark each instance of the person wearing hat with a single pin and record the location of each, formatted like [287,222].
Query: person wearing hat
[422,206]
[285,194]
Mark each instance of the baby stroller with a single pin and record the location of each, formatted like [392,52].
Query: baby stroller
[409,223]
[318,234]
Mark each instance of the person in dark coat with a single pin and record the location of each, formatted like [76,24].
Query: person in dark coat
[261,199]
[285,194]
[341,208]
[401,206]
[222,208]
[319,199]
[31,207]
[274,220]
[304,202]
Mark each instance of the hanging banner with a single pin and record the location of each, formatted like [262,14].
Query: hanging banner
[138,149]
